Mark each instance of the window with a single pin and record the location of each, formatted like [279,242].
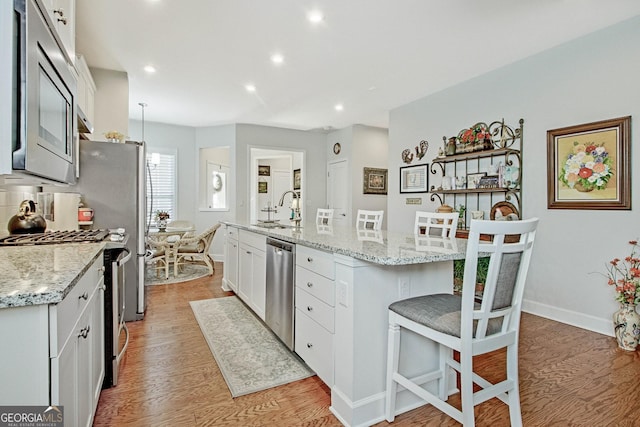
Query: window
[161,183]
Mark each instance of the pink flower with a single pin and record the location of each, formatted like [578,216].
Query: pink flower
[598,168]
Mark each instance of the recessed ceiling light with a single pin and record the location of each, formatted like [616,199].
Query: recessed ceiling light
[315,16]
[150,69]
[250,88]
[277,58]
[339,107]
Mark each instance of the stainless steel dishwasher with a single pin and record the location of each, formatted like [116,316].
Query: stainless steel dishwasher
[279,310]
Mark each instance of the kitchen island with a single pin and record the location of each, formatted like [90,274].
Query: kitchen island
[369,270]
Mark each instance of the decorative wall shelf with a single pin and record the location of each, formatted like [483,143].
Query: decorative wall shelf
[506,160]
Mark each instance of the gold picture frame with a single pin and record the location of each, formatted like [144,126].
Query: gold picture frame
[374,181]
[589,166]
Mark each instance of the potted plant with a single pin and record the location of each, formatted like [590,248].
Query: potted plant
[624,276]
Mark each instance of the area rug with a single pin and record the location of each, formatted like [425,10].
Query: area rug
[187,272]
[249,355]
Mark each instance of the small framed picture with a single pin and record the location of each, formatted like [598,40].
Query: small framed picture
[414,179]
[489,181]
[264,170]
[296,179]
[473,180]
[262,187]
[374,181]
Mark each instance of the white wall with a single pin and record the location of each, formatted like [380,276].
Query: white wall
[590,79]
[111,103]
[313,169]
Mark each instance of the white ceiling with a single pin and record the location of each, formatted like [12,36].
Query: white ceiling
[369,55]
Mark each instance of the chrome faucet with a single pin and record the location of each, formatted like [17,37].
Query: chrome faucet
[296,218]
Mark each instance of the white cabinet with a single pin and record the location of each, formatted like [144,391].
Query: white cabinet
[86,91]
[252,271]
[62,14]
[315,310]
[77,368]
[231,249]
[62,361]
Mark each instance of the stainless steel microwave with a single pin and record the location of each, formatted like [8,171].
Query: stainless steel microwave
[42,102]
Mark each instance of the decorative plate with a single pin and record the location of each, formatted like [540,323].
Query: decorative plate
[505,208]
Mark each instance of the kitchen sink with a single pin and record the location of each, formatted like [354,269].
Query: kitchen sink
[272,225]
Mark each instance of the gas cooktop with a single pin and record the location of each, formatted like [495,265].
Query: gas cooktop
[51,237]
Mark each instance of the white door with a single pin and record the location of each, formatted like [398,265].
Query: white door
[337,192]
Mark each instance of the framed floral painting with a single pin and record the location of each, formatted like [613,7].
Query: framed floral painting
[588,166]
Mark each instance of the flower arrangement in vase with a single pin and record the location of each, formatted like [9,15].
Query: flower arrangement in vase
[161,219]
[114,136]
[587,168]
[625,276]
[476,138]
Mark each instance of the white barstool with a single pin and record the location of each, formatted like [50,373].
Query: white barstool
[436,223]
[371,220]
[324,216]
[457,323]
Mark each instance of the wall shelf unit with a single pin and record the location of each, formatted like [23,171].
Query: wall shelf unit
[500,165]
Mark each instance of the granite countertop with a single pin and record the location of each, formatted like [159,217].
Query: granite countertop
[43,274]
[379,247]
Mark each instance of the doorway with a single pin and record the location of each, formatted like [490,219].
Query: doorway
[271,175]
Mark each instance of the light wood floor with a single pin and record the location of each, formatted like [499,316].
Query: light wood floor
[568,377]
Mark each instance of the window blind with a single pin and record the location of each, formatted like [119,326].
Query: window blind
[161,184]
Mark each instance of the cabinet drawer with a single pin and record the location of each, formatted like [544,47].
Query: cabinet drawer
[314,345]
[315,309]
[317,285]
[232,233]
[316,261]
[64,315]
[252,239]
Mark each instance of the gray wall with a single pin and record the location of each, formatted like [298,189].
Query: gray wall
[592,78]
[111,103]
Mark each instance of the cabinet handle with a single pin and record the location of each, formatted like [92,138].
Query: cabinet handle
[309,345]
[309,259]
[84,296]
[59,12]
[101,269]
[309,284]
[63,20]
[249,252]
[309,308]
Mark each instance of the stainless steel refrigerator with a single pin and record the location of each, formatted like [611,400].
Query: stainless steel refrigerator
[112,182]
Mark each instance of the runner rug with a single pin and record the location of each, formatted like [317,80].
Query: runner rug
[248,354]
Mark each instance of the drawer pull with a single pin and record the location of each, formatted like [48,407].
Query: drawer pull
[309,308]
[309,345]
[84,296]
[84,332]
[309,259]
[309,284]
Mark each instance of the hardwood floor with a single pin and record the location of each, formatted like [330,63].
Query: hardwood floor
[568,377]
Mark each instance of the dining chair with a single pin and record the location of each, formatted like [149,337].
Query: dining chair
[436,223]
[195,250]
[158,254]
[181,224]
[371,220]
[458,322]
[324,216]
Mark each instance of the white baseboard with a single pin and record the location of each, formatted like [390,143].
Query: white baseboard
[573,318]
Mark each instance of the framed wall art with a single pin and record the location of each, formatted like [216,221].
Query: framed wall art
[262,187]
[414,179]
[296,179]
[374,181]
[473,180]
[264,170]
[588,166]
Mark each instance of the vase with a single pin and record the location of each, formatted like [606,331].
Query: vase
[626,325]
[162,224]
[581,188]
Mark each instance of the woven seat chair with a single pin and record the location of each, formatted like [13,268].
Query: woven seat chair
[459,323]
[195,250]
[157,253]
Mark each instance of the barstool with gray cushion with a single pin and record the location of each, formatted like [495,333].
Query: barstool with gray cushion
[436,223]
[371,220]
[471,328]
